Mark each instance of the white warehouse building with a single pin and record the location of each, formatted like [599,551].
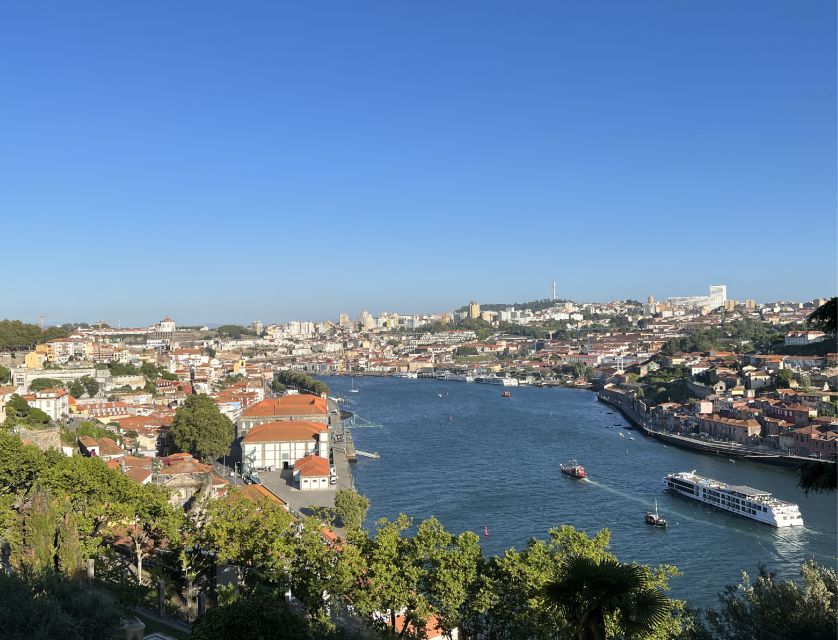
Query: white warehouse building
[280,444]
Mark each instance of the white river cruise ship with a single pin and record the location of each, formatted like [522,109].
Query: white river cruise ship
[744,501]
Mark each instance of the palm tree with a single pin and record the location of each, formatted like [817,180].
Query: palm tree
[590,591]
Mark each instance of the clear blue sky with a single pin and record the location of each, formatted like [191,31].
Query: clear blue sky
[223,161]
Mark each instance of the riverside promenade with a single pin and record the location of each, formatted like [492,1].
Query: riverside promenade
[763,455]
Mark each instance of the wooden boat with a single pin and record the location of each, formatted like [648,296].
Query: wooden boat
[655,519]
[573,469]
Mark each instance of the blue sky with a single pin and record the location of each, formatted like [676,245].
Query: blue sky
[222,161]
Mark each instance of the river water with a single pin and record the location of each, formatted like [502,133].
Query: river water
[473,459]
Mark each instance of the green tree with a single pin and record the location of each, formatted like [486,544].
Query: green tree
[200,428]
[152,519]
[260,614]
[149,371]
[450,574]
[69,548]
[818,477]
[19,411]
[392,578]
[50,605]
[122,369]
[824,317]
[40,522]
[590,592]
[234,331]
[300,381]
[768,608]
[39,384]
[257,538]
[90,385]
[98,496]
[351,508]
[318,568]
[5,374]
[76,389]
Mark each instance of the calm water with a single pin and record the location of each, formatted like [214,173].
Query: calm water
[473,459]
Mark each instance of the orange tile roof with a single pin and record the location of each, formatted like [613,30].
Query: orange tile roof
[284,431]
[137,474]
[256,492]
[312,466]
[294,405]
[108,447]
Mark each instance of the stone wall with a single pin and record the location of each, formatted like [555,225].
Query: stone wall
[42,438]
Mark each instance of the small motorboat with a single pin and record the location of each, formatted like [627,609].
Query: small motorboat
[573,469]
[655,519]
[506,394]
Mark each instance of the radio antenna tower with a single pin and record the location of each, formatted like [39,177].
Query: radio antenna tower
[554,290]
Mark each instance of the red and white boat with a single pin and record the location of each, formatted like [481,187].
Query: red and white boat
[573,469]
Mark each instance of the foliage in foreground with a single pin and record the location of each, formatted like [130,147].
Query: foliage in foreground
[49,605]
[772,609]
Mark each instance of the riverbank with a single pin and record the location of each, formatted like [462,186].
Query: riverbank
[477,460]
[708,447]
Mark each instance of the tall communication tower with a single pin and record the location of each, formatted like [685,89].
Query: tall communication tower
[554,289]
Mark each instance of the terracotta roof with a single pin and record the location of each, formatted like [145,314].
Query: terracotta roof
[256,492]
[137,461]
[284,431]
[138,474]
[108,447]
[312,466]
[294,405]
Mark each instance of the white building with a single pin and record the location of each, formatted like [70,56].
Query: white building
[804,337]
[280,444]
[54,402]
[312,473]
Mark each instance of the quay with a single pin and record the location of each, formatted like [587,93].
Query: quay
[709,447]
[303,503]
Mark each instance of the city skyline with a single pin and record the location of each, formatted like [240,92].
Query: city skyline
[288,162]
[152,318]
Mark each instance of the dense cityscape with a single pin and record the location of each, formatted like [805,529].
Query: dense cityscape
[419,320]
[207,424]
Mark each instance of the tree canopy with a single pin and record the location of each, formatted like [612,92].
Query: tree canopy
[351,508]
[39,384]
[48,604]
[772,608]
[300,381]
[824,317]
[235,331]
[18,411]
[200,428]
[17,334]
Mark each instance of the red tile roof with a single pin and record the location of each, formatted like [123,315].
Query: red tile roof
[312,466]
[294,405]
[284,431]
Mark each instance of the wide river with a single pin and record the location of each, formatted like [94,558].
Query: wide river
[473,459]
